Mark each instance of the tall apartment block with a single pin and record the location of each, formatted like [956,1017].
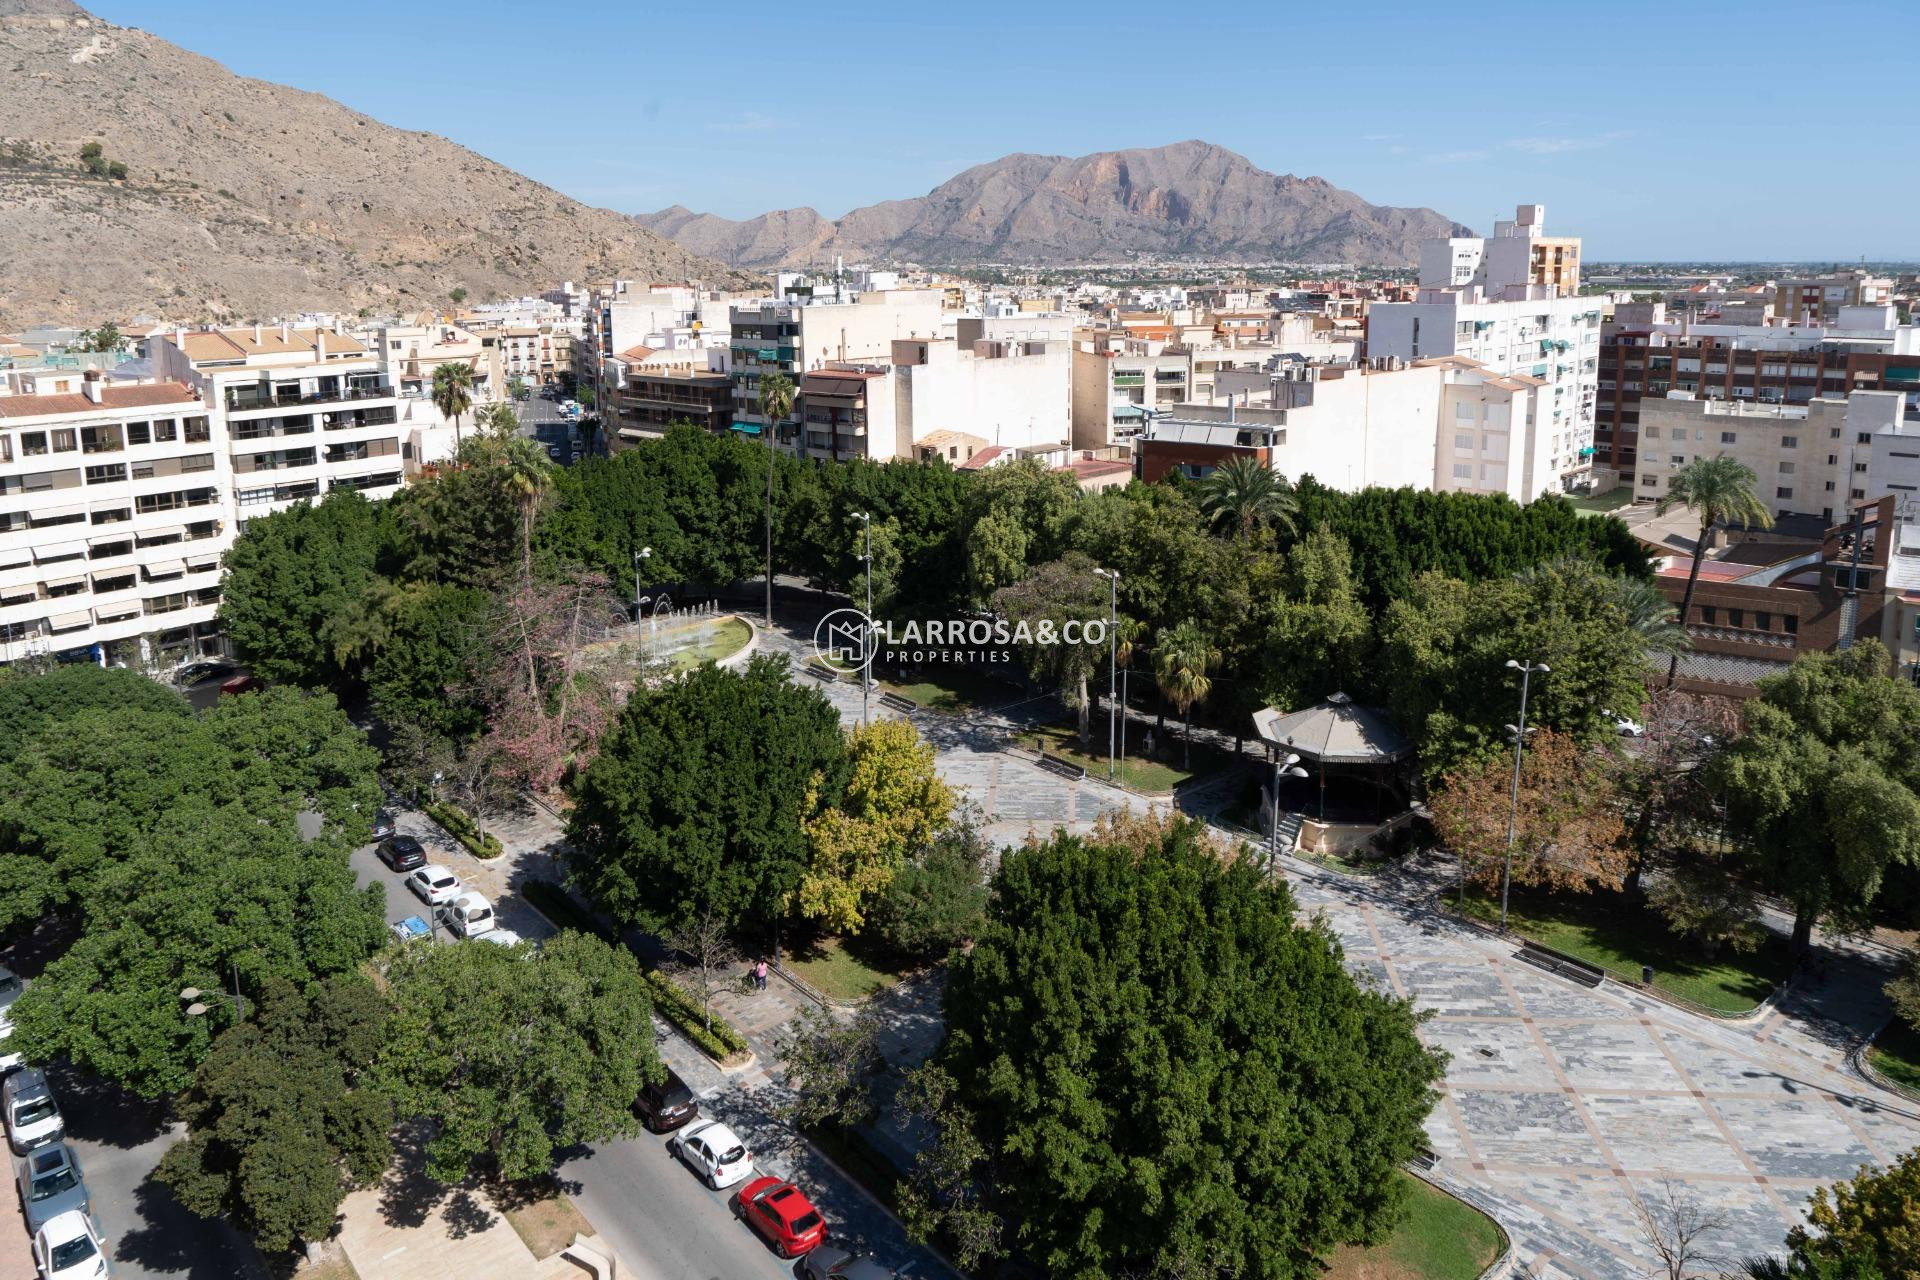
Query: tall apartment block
[118,496]
[1510,302]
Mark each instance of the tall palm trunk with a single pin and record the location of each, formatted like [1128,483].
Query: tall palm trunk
[1186,739]
[1686,600]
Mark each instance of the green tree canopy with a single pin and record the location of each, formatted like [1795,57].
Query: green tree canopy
[1824,784]
[1320,636]
[1172,1073]
[295,586]
[281,1121]
[515,1052]
[699,796]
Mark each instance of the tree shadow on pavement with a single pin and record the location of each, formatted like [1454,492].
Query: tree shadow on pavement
[408,1196]
[99,1111]
[167,1239]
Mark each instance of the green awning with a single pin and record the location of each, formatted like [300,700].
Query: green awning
[747,428]
[1129,411]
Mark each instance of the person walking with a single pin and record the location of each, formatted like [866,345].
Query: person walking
[760,975]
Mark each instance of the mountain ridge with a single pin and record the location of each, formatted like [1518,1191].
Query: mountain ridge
[1185,199]
[246,199]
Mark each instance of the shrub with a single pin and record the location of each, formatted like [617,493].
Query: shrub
[481,844]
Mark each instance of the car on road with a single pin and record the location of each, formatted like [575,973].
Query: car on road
[192,673]
[665,1105]
[412,929]
[10,987]
[716,1153]
[467,916]
[435,885]
[33,1117]
[402,853]
[50,1184]
[10,1059]
[830,1262]
[782,1214]
[242,684]
[383,825]
[502,937]
[69,1247]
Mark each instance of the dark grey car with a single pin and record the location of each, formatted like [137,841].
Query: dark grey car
[50,1182]
[831,1263]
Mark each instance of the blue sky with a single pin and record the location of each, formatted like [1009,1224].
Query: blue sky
[1654,130]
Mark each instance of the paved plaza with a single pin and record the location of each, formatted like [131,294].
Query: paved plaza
[1560,1102]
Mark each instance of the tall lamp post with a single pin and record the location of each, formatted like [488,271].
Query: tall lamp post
[643,554]
[196,999]
[866,670]
[1287,766]
[1527,671]
[1113,665]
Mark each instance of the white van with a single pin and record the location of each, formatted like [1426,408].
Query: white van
[467,916]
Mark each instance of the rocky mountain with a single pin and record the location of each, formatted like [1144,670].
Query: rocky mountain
[212,196]
[1191,199]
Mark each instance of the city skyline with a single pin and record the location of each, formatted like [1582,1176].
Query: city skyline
[878,105]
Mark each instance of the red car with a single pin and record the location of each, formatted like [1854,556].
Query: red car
[782,1213]
[243,684]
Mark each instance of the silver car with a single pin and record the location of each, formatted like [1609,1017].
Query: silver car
[50,1183]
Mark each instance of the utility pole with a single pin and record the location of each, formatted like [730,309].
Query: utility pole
[866,668]
[1519,731]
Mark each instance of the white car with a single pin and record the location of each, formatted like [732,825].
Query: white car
[69,1247]
[716,1153]
[10,1059]
[467,916]
[435,885]
[33,1117]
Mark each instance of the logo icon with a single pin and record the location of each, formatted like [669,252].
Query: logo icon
[845,641]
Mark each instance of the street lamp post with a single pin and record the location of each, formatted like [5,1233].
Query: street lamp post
[644,553]
[1526,670]
[866,670]
[1113,666]
[196,1002]
[1287,766]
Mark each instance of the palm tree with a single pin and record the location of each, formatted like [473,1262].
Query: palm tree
[1247,491]
[1719,489]
[453,393]
[776,402]
[1651,615]
[528,473]
[1182,657]
[499,420]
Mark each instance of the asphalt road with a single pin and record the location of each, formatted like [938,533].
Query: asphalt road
[540,420]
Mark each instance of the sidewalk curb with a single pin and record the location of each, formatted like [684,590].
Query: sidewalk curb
[877,1203]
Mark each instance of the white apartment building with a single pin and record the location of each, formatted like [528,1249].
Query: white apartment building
[114,513]
[1508,302]
[1118,386]
[304,412]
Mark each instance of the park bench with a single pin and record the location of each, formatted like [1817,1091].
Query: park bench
[898,703]
[1064,767]
[1587,975]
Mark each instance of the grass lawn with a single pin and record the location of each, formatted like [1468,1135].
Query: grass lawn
[1613,500]
[1439,1239]
[954,689]
[838,973]
[1895,1054]
[727,639]
[548,1226]
[336,1267]
[1604,929]
[1152,777]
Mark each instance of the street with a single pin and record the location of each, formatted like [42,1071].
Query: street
[542,422]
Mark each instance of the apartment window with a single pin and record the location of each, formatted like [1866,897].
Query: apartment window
[1648,482]
[1762,620]
[33,443]
[118,582]
[1728,437]
[1789,442]
[1462,440]
[65,440]
[1786,468]
[1865,437]
[107,473]
[167,432]
[1783,493]
[1833,459]
[1708,614]
[1829,488]
[1677,459]
[107,550]
[1736,618]
[1651,433]
[1463,471]
[1791,622]
[1833,433]
[112,515]
[1859,466]
[197,431]
[1857,493]
[139,432]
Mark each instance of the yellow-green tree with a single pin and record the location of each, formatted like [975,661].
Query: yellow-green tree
[894,804]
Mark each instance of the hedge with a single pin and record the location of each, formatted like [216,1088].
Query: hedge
[481,844]
[672,1000]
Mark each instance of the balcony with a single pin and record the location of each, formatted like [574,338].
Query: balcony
[268,428]
[348,419]
[240,400]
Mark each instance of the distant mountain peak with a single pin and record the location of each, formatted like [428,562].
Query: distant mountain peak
[1187,199]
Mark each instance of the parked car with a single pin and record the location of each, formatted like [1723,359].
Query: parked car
[202,670]
[435,885]
[33,1117]
[383,824]
[467,916]
[10,987]
[402,853]
[69,1247]
[242,684]
[412,929]
[10,1059]
[830,1262]
[501,937]
[716,1153]
[666,1104]
[50,1184]
[782,1214]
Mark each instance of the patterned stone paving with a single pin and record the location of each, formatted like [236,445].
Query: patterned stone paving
[1560,1102]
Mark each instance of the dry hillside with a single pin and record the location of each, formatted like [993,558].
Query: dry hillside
[245,199]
